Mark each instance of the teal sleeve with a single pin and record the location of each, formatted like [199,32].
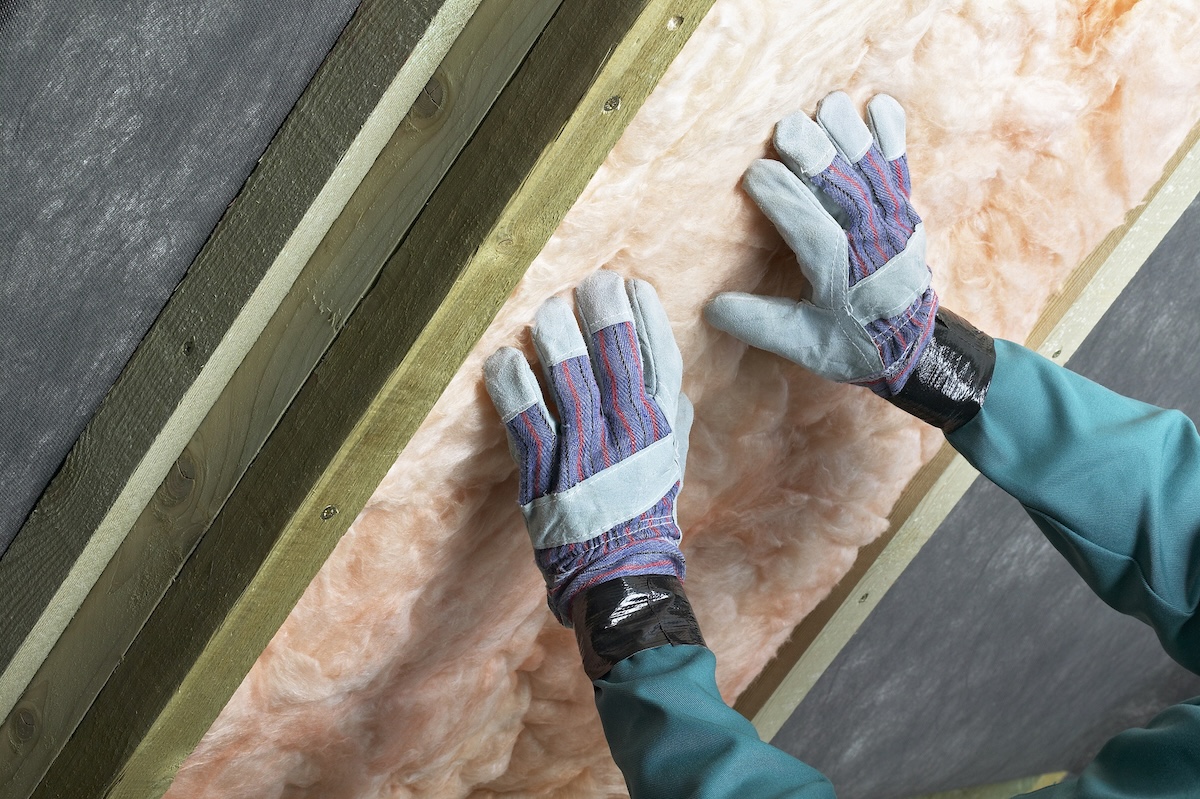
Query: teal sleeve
[1158,761]
[674,737]
[1115,486]
[1112,482]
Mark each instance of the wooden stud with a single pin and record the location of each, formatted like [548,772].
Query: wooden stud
[340,272]
[1093,286]
[312,166]
[1003,790]
[491,215]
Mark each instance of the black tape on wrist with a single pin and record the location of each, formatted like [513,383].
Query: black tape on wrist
[950,381]
[622,617]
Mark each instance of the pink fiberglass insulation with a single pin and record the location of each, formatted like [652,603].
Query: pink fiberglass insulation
[422,660]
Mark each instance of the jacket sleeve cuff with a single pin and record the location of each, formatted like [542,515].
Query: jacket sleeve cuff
[950,381]
[622,617]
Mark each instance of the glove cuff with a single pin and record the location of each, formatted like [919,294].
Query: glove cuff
[622,617]
[950,380]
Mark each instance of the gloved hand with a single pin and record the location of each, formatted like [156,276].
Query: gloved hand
[841,200]
[598,486]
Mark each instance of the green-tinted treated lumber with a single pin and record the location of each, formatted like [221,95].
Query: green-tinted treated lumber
[320,154]
[479,64]
[531,158]
[1003,790]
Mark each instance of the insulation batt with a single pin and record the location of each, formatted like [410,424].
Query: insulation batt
[422,660]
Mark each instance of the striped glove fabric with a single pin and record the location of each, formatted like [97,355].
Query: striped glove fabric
[598,485]
[840,198]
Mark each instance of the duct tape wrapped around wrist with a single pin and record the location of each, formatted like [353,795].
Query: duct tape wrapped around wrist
[949,383]
[619,618]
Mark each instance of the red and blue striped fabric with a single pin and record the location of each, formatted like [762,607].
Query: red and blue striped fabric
[605,415]
[874,193]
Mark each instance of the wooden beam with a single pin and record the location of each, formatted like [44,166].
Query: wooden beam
[342,269]
[549,131]
[1003,790]
[1092,287]
[312,166]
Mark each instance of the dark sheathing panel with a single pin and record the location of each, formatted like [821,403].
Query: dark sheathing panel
[125,130]
[990,659]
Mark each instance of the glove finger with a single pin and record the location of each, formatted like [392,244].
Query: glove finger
[858,182]
[886,166]
[556,335]
[803,145]
[662,365]
[863,184]
[808,151]
[512,385]
[634,421]
[838,117]
[887,121]
[518,399]
[801,332]
[816,238]
[583,446]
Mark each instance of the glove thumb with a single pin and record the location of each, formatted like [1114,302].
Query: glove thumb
[798,331]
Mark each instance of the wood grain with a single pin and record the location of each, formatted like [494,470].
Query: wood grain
[937,487]
[320,154]
[477,67]
[488,219]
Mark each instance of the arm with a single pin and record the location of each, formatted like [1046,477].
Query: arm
[598,490]
[1157,761]
[673,735]
[669,730]
[1113,483]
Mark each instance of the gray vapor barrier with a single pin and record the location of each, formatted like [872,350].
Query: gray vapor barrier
[990,659]
[126,128]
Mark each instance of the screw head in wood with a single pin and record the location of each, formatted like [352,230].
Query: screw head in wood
[329,512]
[612,103]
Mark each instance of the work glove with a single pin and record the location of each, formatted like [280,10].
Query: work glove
[840,198]
[598,485]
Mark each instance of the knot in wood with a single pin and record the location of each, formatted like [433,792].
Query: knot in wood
[430,101]
[25,724]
